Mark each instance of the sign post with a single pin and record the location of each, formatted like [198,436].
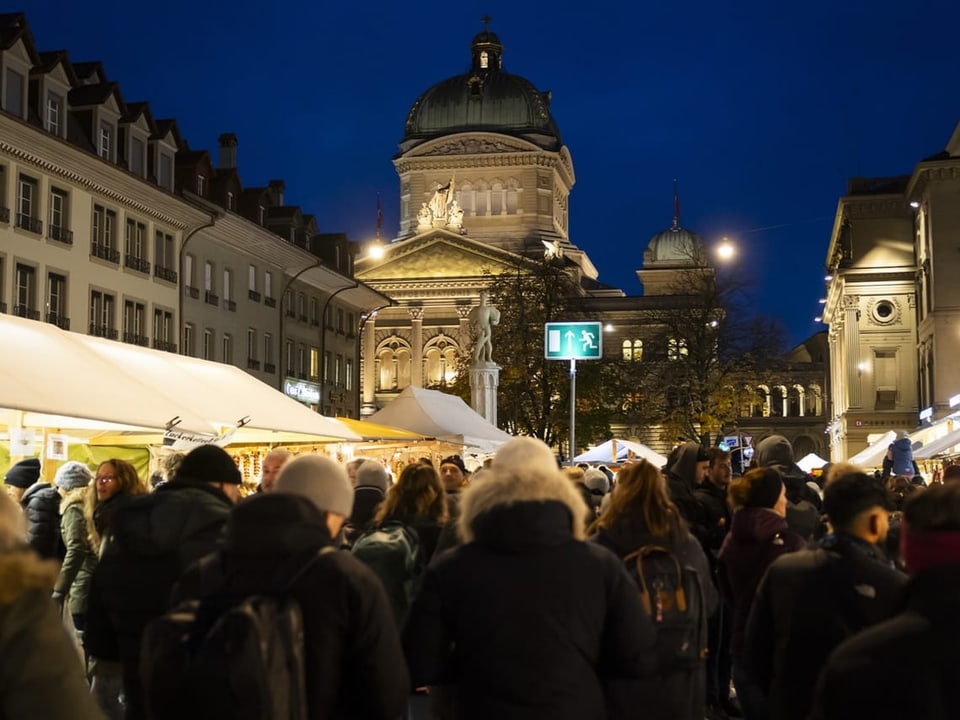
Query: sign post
[573,341]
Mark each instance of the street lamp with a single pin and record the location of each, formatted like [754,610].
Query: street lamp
[726,250]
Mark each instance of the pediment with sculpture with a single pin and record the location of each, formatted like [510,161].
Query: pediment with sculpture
[439,255]
[473,145]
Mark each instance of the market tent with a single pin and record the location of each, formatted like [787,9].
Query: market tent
[50,381]
[441,416]
[810,462]
[873,455]
[940,446]
[226,396]
[371,432]
[616,451]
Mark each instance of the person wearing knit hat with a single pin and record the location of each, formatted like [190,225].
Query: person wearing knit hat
[287,537]
[370,488]
[20,476]
[758,535]
[453,473]
[908,655]
[323,482]
[72,475]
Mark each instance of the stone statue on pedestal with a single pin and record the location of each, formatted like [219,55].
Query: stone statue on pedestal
[482,319]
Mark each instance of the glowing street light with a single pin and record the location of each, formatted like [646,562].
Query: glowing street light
[726,250]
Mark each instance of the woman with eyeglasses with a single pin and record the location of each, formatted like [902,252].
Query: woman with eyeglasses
[641,515]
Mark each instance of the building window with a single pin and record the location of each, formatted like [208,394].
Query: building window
[53,118]
[340,321]
[105,146]
[163,330]
[302,307]
[314,311]
[134,322]
[136,156]
[676,349]
[227,348]
[188,340]
[208,276]
[227,288]
[57,300]
[166,171]
[348,375]
[27,205]
[315,362]
[57,226]
[208,344]
[26,292]
[13,97]
[290,357]
[252,278]
[251,344]
[104,242]
[303,362]
[136,240]
[163,257]
[338,371]
[267,350]
[103,315]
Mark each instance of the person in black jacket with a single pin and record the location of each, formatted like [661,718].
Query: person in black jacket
[354,665]
[41,505]
[684,476]
[803,502]
[905,667]
[810,601]
[151,540]
[524,618]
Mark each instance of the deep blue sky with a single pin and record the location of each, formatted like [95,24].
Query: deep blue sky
[762,112]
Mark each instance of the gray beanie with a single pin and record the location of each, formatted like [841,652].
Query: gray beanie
[597,480]
[72,475]
[372,474]
[318,479]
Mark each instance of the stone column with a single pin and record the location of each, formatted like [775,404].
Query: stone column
[368,381]
[851,342]
[484,382]
[416,346]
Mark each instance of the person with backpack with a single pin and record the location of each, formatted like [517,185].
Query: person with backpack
[404,534]
[525,619]
[644,528]
[758,535]
[809,601]
[280,545]
[370,482]
[151,539]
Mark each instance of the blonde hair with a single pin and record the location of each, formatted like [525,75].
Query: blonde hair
[13,525]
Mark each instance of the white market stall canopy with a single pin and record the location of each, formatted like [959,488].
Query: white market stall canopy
[616,451]
[810,462]
[61,379]
[940,446]
[441,416]
[873,455]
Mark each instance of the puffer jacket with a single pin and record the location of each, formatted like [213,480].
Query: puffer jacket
[41,674]
[80,559]
[41,505]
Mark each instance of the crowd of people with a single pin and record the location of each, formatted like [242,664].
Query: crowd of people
[522,590]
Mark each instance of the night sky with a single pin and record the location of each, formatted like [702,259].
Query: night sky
[762,112]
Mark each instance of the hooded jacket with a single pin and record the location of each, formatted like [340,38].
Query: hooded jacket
[80,559]
[41,505]
[803,503]
[757,537]
[901,452]
[681,482]
[525,618]
[41,675]
[354,664]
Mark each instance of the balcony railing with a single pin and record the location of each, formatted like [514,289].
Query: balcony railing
[4,214]
[59,320]
[210,299]
[253,295]
[26,312]
[105,252]
[104,331]
[136,263]
[60,234]
[31,224]
[230,305]
[253,364]
[191,291]
[269,367]
[135,339]
[165,346]
[165,273]
[270,302]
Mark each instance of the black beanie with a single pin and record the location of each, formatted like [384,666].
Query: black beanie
[764,487]
[23,474]
[209,463]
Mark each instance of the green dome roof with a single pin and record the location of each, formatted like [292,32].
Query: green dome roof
[484,99]
[674,246]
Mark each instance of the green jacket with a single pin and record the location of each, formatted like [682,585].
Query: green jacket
[41,674]
[80,560]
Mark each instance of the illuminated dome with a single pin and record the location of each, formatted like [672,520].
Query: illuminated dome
[484,99]
[674,246]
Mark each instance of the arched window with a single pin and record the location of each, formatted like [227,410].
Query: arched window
[513,196]
[796,406]
[441,361]
[627,350]
[393,361]
[814,401]
[497,205]
[481,204]
[467,197]
[778,401]
[763,393]
[676,349]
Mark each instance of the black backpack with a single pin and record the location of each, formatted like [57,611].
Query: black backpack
[672,597]
[392,550]
[228,657]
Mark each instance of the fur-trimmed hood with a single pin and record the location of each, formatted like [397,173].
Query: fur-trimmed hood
[523,470]
[23,570]
[73,497]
